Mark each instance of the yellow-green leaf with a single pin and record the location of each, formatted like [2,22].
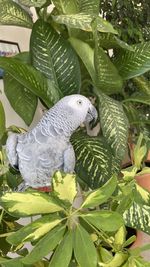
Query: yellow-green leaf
[29,203]
[34,230]
[100,195]
[65,186]
[45,245]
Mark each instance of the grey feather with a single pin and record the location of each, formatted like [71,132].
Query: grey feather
[46,148]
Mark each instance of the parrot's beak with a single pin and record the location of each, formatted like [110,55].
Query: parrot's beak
[92,115]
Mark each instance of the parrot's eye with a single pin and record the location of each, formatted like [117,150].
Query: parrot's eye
[79,102]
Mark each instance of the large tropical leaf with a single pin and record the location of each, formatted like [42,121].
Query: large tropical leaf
[45,245]
[93,159]
[34,230]
[35,3]
[2,120]
[84,249]
[143,85]
[109,40]
[114,124]
[83,21]
[12,14]
[137,216]
[133,63]
[29,203]
[139,97]
[54,56]
[23,101]
[86,53]
[89,6]
[66,6]
[108,79]
[30,79]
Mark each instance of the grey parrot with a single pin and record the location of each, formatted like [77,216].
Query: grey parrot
[47,148]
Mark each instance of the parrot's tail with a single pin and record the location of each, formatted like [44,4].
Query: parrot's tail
[11,145]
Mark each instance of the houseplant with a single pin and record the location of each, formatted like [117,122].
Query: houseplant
[50,70]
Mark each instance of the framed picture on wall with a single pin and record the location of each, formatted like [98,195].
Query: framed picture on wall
[8,49]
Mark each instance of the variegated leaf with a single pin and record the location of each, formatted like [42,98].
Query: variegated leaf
[137,216]
[65,186]
[114,124]
[139,98]
[109,40]
[108,79]
[143,85]
[45,245]
[83,21]
[54,56]
[34,230]
[86,53]
[66,6]
[141,196]
[29,203]
[89,6]
[12,14]
[23,101]
[30,78]
[35,3]
[93,159]
[133,63]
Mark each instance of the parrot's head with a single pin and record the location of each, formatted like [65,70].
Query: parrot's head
[77,109]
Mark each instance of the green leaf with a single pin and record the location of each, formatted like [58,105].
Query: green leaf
[83,21]
[89,6]
[63,253]
[108,79]
[12,14]
[139,98]
[2,120]
[114,124]
[131,64]
[35,3]
[54,57]
[34,230]
[30,79]
[66,6]
[137,216]
[100,195]
[104,220]
[93,159]
[45,245]
[65,186]
[84,250]
[109,40]
[143,85]
[11,262]
[86,53]
[105,255]
[28,203]
[23,101]
[139,152]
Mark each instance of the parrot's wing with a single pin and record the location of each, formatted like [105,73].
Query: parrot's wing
[69,159]
[11,145]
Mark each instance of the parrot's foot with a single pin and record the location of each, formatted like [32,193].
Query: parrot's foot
[44,189]
[22,187]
